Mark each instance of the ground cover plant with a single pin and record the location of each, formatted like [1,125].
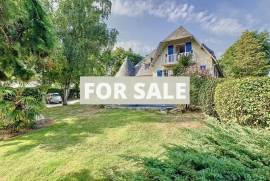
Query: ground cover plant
[215,152]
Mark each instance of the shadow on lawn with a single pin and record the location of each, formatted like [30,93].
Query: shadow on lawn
[74,125]
[220,153]
[82,175]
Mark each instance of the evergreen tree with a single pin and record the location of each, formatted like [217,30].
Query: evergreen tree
[25,37]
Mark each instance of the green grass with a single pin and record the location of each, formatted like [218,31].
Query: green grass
[85,143]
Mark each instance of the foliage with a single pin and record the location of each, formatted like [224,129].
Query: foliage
[206,96]
[83,34]
[218,152]
[181,67]
[249,56]
[115,58]
[32,92]
[18,111]
[245,101]
[25,38]
[196,82]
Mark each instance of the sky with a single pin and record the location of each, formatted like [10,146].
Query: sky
[142,24]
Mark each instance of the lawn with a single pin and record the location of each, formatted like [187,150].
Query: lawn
[86,143]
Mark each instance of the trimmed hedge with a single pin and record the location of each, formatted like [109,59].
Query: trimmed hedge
[196,83]
[206,96]
[246,101]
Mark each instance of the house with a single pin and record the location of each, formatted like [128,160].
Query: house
[160,62]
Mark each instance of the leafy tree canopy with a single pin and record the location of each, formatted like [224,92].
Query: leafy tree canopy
[249,56]
[83,35]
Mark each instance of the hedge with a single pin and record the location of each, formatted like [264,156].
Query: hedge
[206,96]
[196,83]
[246,101]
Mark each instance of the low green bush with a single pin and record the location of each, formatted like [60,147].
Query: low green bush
[245,101]
[17,110]
[224,152]
[206,96]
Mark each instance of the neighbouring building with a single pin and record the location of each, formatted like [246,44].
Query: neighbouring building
[160,62]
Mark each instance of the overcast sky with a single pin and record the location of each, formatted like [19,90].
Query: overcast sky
[142,24]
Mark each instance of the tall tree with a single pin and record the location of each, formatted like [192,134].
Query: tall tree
[249,56]
[25,38]
[84,35]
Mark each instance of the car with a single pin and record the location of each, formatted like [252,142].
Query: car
[54,98]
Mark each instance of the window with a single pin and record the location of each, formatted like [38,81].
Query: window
[159,73]
[166,73]
[180,48]
[203,68]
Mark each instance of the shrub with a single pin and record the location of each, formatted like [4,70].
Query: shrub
[206,96]
[17,110]
[246,101]
[221,152]
[33,92]
[196,83]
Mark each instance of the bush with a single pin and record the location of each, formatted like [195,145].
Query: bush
[196,83]
[206,96]
[221,152]
[33,92]
[17,110]
[246,101]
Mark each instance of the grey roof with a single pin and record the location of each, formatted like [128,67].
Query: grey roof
[179,33]
[209,50]
[144,72]
[126,69]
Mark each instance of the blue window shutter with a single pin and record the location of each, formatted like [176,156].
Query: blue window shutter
[170,50]
[188,47]
[159,73]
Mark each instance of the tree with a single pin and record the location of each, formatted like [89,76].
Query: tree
[25,36]
[25,42]
[249,56]
[83,34]
[117,57]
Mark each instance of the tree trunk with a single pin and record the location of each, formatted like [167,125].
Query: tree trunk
[66,94]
